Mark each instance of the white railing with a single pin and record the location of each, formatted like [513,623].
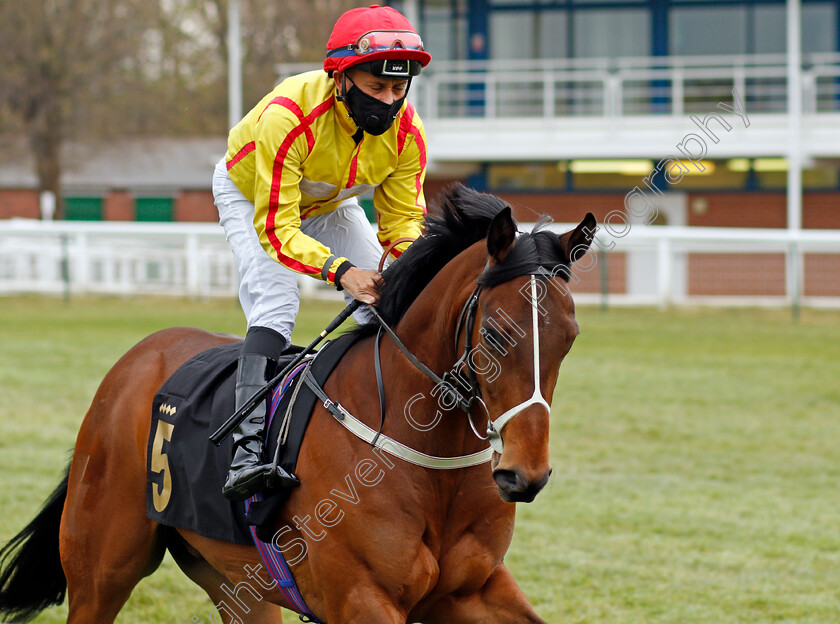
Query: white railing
[678,265]
[670,85]
[184,259]
[649,264]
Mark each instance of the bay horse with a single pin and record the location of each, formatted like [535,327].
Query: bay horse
[390,541]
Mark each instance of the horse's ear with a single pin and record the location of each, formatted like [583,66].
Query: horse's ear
[576,242]
[501,235]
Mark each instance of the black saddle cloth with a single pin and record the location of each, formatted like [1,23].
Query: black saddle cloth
[185,471]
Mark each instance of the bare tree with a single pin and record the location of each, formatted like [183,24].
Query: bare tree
[273,32]
[57,55]
[105,69]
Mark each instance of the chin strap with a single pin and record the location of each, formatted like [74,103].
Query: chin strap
[342,97]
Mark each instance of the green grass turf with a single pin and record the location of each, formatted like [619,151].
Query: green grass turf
[695,457]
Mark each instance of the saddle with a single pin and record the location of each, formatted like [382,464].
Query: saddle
[185,471]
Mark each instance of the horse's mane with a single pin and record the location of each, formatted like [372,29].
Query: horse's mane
[459,218]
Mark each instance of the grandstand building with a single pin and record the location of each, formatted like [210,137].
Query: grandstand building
[677,112]
[669,112]
[555,97]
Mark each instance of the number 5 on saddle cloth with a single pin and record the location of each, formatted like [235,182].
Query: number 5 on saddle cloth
[185,471]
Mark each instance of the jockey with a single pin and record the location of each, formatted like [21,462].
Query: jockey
[286,192]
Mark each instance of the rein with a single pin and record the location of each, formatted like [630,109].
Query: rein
[404,239]
[463,403]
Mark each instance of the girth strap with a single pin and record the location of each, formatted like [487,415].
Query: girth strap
[332,407]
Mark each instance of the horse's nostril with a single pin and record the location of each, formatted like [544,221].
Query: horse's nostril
[510,481]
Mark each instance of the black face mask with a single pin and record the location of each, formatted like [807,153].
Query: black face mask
[370,114]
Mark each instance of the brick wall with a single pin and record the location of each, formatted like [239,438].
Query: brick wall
[822,275]
[708,274]
[195,206]
[821,211]
[590,269]
[764,210]
[19,203]
[761,274]
[747,274]
[571,208]
[118,206]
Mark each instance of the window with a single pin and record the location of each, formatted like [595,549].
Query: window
[823,176]
[708,30]
[444,29]
[554,41]
[612,33]
[437,39]
[526,176]
[818,28]
[758,29]
[154,209]
[513,35]
[83,208]
[718,175]
[551,29]
[769,31]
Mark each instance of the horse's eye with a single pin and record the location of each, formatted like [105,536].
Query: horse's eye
[491,337]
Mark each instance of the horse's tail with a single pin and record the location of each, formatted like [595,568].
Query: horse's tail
[31,577]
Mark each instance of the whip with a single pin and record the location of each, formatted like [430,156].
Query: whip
[239,415]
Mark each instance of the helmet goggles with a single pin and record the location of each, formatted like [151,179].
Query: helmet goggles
[381,41]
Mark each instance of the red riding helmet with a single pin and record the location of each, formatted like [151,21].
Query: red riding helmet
[375,33]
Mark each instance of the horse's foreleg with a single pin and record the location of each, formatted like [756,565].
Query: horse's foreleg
[365,606]
[359,600]
[499,601]
[243,611]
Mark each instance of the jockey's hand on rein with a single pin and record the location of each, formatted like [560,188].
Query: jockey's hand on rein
[361,284]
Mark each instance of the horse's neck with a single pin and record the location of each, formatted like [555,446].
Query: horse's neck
[429,325]
[428,331]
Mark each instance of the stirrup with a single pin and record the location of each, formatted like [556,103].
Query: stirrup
[255,479]
[279,478]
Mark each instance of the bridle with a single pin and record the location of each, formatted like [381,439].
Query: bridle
[466,322]
[494,427]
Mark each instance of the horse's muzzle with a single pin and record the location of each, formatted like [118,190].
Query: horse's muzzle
[515,488]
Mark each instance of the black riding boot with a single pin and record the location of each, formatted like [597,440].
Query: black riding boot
[249,473]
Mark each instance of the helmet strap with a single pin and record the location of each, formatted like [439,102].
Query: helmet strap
[341,95]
